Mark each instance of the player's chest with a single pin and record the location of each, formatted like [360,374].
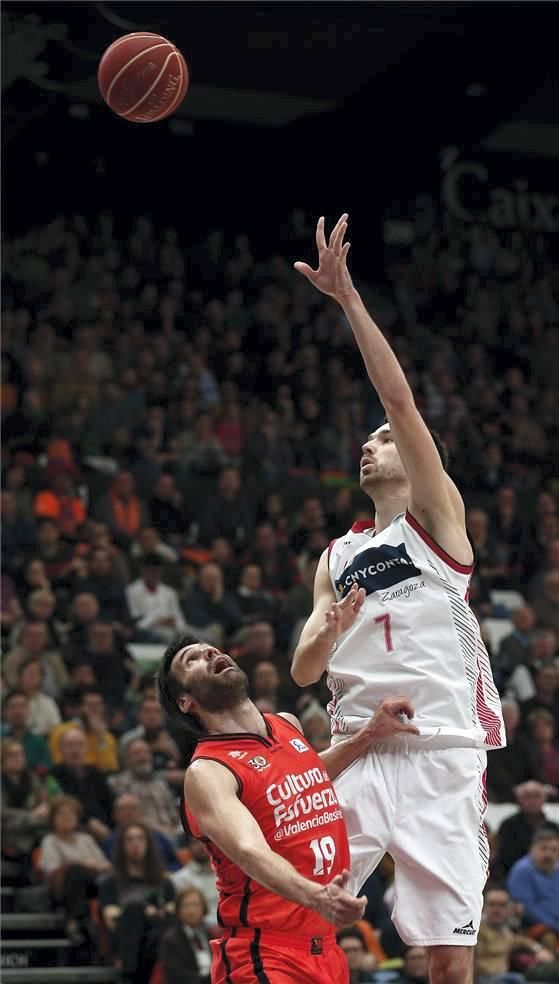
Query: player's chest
[385,570]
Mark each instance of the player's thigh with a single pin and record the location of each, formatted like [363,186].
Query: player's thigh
[440,848]
[365,791]
[240,962]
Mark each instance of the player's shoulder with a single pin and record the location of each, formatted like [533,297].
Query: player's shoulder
[291,720]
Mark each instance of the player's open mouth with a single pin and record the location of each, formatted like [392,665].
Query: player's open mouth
[221,663]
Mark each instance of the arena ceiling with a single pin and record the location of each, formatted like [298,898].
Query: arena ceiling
[484,70]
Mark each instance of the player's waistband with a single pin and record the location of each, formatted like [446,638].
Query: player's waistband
[310,944]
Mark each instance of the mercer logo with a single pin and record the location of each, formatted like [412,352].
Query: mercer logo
[467,930]
[377,568]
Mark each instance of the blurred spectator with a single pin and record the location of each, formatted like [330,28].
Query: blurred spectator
[18,535]
[166,508]
[112,664]
[264,686]
[185,948]
[136,902]
[228,513]
[268,453]
[255,642]
[33,645]
[101,747]
[521,683]
[514,649]
[149,542]
[516,833]
[315,722]
[546,606]
[546,697]
[310,519]
[274,560]
[10,608]
[15,716]
[210,604]
[198,873]
[122,510]
[40,607]
[534,882]
[550,563]
[154,606]
[510,766]
[84,782]
[497,940]
[151,729]
[57,554]
[359,961]
[72,861]
[542,729]
[43,713]
[415,966]
[108,590]
[59,502]
[489,559]
[159,808]
[127,809]
[252,600]
[83,613]
[25,808]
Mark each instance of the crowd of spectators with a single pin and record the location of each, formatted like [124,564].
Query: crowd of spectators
[182,428]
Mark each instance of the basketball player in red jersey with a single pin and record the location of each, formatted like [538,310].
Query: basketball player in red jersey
[262,800]
[408,629]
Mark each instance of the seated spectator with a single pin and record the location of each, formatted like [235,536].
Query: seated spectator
[252,600]
[10,608]
[113,666]
[510,766]
[490,564]
[274,560]
[256,642]
[59,501]
[83,612]
[360,963]
[18,534]
[497,940]
[56,554]
[84,782]
[15,716]
[514,649]
[315,722]
[72,862]
[136,903]
[542,729]
[122,510]
[198,873]
[128,809]
[154,606]
[516,832]
[550,562]
[268,452]
[546,696]
[40,606]
[310,519]
[159,808]
[298,603]
[416,966]
[546,606]
[521,684]
[149,541]
[33,645]
[209,603]
[534,882]
[227,513]
[185,952]
[43,710]
[166,508]
[101,747]
[151,729]
[108,589]
[264,686]
[223,555]
[25,807]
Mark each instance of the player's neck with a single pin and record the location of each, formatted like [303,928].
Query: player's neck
[389,503]
[245,717]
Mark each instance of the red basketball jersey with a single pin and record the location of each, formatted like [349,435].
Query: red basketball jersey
[284,784]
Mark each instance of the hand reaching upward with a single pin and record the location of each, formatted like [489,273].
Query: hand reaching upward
[332,276]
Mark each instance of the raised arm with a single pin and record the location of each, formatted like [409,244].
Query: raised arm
[434,501]
[211,793]
[327,621]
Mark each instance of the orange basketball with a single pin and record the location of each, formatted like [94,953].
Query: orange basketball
[143,77]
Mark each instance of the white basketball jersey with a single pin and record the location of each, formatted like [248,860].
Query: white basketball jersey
[415,636]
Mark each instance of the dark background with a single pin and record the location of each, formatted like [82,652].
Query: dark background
[338,106]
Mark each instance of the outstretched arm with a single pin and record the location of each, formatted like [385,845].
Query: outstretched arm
[435,500]
[327,621]
[211,793]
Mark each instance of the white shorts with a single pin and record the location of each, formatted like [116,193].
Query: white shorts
[426,809]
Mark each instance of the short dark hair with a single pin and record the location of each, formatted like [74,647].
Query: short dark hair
[544,834]
[170,688]
[152,560]
[10,696]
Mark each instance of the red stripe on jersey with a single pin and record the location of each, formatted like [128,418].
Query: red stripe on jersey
[361,525]
[330,546]
[434,546]
[489,721]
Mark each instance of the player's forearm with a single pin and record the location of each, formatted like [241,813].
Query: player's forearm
[338,757]
[311,658]
[276,874]
[382,366]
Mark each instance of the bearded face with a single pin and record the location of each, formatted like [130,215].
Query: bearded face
[380,462]
[212,680]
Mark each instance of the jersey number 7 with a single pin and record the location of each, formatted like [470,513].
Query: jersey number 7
[385,619]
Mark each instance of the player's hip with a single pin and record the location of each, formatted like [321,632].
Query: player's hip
[246,956]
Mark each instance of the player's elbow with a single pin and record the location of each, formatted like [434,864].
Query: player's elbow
[302,674]
[399,400]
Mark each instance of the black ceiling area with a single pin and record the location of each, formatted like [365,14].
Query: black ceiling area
[311,96]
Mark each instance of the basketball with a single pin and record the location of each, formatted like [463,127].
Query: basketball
[143,77]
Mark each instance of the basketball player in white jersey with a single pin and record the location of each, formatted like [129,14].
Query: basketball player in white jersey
[390,615]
